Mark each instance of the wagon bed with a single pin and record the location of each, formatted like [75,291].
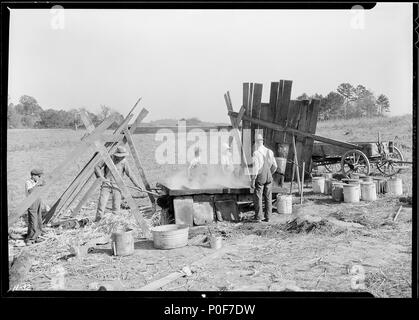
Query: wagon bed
[370,149]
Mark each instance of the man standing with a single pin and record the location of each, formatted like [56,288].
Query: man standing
[36,209]
[264,165]
[109,185]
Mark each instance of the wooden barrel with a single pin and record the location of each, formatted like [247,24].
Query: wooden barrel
[170,236]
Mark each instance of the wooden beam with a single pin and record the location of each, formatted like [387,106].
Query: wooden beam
[277,127]
[284,96]
[236,134]
[77,185]
[293,117]
[311,128]
[75,195]
[156,129]
[143,113]
[246,136]
[70,192]
[240,115]
[256,107]
[138,164]
[120,183]
[297,169]
[57,173]
[96,183]
[302,127]
[273,96]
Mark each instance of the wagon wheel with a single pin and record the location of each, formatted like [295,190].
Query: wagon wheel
[355,161]
[387,167]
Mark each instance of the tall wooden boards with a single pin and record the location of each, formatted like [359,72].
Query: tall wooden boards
[236,134]
[256,107]
[281,112]
[312,116]
[273,98]
[302,126]
[246,127]
[293,119]
[57,173]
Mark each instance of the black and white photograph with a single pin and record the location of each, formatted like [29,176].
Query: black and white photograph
[214,150]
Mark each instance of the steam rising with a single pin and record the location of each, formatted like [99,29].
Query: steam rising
[209,177]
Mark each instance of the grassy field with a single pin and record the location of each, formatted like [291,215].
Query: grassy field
[46,148]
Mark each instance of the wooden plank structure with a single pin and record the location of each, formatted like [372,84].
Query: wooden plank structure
[86,181]
[279,120]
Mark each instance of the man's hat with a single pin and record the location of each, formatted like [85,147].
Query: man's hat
[37,172]
[120,152]
[259,137]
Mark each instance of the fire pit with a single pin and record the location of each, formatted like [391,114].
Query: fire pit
[200,206]
[209,198]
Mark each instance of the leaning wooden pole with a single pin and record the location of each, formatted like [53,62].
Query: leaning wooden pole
[57,173]
[97,182]
[236,134]
[138,164]
[297,167]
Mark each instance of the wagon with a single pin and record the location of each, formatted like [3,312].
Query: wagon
[362,158]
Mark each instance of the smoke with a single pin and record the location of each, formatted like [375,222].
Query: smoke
[208,177]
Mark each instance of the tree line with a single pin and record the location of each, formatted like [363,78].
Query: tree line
[29,114]
[348,102]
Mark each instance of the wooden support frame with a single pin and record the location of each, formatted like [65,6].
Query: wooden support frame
[85,173]
[278,127]
[56,174]
[120,183]
[236,133]
[137,160]
[112,147]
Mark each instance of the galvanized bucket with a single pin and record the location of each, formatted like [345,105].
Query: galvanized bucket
[170,236]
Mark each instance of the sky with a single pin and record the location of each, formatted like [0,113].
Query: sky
[181,62]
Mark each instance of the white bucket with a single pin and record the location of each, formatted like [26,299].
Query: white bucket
[358,185]
[318,184]
[284,203]
[337,191]
[368,192]
[350,193]
[395,186]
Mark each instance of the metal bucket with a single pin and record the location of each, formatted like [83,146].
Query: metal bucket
[395,186]
[351,193]
[368,192]
[318,184]
[284,204]
[123,243]
[216,242]
[337,191]
[170,236]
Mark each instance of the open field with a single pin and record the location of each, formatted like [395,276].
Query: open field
[262,257]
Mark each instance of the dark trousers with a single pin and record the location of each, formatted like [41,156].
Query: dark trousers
[35,220]
[105,193]
[263,191]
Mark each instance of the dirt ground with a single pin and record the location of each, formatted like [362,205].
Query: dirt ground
[331,246]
